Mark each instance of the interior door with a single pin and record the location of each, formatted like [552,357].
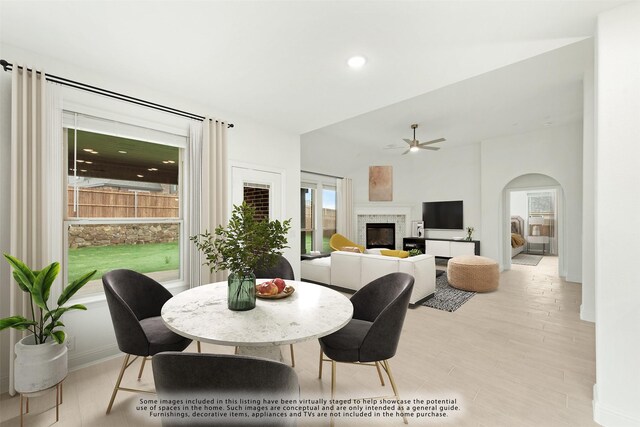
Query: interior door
[260,188]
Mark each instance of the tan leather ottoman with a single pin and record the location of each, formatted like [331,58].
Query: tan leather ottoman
[473,273]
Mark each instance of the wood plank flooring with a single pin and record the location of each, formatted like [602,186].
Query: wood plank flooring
[519,356]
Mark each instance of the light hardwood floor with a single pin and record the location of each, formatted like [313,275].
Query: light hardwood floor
[519,356]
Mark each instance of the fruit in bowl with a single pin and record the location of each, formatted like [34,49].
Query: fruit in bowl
[280,284]
[267,288]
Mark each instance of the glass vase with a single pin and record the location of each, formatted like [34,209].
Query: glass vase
[241,292]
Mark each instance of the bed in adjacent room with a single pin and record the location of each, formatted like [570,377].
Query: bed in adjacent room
[517,235]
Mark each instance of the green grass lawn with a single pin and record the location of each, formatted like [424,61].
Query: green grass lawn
[144,258]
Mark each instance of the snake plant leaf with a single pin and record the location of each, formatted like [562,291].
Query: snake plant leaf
[23,274]
[42,284]
[74,287]
[16,322]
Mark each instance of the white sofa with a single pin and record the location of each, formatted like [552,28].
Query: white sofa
[352,271]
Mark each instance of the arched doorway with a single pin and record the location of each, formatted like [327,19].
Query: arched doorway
[552,238]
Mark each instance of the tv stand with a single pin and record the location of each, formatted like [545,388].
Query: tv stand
[442,248]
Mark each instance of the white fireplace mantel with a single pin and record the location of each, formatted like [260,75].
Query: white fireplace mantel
[400,215]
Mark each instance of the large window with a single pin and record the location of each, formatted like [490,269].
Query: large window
[318,213]
[123,206]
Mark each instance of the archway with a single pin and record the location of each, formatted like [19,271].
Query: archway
[534,182]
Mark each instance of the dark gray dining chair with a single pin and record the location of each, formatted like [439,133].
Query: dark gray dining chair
[217,376]
[283,270]
[135,301]
[371,337]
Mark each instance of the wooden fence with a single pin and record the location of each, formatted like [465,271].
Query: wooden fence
[107,203]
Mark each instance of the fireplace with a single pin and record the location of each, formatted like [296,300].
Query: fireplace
[381,235]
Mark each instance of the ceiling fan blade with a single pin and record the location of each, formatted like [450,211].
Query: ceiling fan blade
[393,147]
[406,151]
[408,141]
[430,148]
[422,144]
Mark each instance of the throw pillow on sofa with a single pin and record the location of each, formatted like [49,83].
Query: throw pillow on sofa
[394,253]
[353,249]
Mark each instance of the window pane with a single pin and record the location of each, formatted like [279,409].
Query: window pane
[257,195]
[148,248]
[113,177]
[328,217]
[306,202]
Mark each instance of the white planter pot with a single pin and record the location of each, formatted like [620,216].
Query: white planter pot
[38,367]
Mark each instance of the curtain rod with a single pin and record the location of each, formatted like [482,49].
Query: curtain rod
[83,86]
[323,174]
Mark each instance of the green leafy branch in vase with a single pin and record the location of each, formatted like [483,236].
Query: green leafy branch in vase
[44,322]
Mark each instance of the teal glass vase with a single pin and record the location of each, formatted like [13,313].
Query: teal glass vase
[242,291]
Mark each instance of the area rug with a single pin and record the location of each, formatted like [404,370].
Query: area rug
[447,298]
[526,259]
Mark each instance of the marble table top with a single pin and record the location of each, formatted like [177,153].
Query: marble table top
[312,311]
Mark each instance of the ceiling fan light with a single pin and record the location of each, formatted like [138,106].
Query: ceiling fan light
[356,61]
[414,149]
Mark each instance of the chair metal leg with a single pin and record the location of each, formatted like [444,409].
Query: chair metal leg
[144,360]
[236,350]
[115,389]
[198,345]
[293,358]
[387,368]
[57,402]
[320,365]
[333,378]
[21,415]
[380,374]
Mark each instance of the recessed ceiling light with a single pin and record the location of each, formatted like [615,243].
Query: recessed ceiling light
[88,150]
[140,176]
[356,61]
[88,162]
[122,152]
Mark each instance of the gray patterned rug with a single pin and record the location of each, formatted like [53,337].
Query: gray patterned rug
[526,259]
[447,298]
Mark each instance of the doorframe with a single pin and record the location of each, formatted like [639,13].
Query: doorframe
[258,168]
[560,213]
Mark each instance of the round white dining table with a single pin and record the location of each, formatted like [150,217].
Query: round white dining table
[312,311]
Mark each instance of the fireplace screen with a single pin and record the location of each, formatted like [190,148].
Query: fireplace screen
[381,235]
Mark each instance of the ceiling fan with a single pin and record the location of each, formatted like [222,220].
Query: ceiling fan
[415,145]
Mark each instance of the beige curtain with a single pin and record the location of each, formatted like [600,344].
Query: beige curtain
[209,190]
[344,222]
[36,196]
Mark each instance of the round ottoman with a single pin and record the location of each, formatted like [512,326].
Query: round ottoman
[473,273]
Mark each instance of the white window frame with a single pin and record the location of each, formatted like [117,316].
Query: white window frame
[183,190]
[319,183]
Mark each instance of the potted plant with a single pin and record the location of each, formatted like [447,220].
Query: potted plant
[41,358]
[244,244]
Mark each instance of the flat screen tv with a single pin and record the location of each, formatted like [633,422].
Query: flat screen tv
[443,215]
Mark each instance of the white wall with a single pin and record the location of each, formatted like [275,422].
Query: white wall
[588,306]
[249,142]
[519,206]
[617,390]
[555,152]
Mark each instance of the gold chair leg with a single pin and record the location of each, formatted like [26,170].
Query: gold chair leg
[380,374]
[387,368]
[21,399]
[198,345]
[333,387]
[115,389]
[144,360]
[236,350]
[320,365]
[293,358]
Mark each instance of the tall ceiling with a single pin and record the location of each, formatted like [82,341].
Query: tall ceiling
[284,62]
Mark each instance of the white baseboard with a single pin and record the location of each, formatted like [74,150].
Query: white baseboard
[587,315]
[607,416]
[96,355]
